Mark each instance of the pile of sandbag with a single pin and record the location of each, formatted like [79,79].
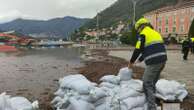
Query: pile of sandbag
[119,92]
[75,93]
[16,103]
[170,90]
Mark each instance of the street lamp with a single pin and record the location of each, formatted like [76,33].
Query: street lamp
[134,10]
[97,26]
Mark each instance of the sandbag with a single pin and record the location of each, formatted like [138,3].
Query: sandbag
[111,79]
[138,108]
[97,93]
[107,84]
[76,82]
[170,90]
[111,94]
[60,92]
[133,84]
[21,103]
[125,74]
[134,102]
[16,103]
[125,93]
[80,105]
[5,103]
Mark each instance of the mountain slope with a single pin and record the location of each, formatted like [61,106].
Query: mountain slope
[122,10]
[59,27]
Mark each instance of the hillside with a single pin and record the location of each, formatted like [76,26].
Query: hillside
[59,27]
[122,10]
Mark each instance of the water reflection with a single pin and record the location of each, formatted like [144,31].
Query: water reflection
[36,71]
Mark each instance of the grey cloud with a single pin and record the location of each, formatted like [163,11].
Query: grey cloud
[47,9]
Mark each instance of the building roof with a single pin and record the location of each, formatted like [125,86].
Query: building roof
[9,36]
[180,5]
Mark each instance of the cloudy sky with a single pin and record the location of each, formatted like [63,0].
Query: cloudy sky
[47,9]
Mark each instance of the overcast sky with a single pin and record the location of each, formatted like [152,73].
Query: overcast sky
[47,9]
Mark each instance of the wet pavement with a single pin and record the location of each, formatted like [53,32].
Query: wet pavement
[176,68]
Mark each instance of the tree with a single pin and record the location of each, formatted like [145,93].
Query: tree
[129,37]
[191,30]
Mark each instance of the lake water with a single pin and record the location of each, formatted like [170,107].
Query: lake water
[34,73]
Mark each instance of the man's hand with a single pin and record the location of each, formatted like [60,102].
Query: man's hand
[130,65]
[137,63]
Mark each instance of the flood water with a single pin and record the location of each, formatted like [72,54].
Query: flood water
[34,73]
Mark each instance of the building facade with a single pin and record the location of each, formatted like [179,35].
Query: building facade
[173,20]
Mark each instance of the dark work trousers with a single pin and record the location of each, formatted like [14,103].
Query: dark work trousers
[185,53]
[150,78]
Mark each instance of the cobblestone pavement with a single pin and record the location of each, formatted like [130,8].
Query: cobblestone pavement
[176,68]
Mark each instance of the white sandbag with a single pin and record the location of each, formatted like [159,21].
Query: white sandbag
[21,103]
[78,83]
[56,100]
[125,74]
[94,84]
[16,103]
[111,79]
[134,102]
[116,103]
[77,93]
[125,93]
[97,93]
[5,103]
[81,86]
[61,103]
[133,84]
[111,91]
[182,95]
[162,97]
[170,90]
[107,84]
[100,102]
[63,82]
[169,97]
[35,105]
[103,107]
[165,87]
[86,98]
[67,79]
[138,108]
[60,92]
[80,105]
[108,104]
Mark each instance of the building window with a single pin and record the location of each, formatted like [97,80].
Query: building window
[174,20]
[166,29]
[160,30]
[166,20]
[182,28]
[174,29]
[159,21]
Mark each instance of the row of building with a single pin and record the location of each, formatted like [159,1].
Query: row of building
[105,31]
[170,21]
[173,20]
[13,40]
